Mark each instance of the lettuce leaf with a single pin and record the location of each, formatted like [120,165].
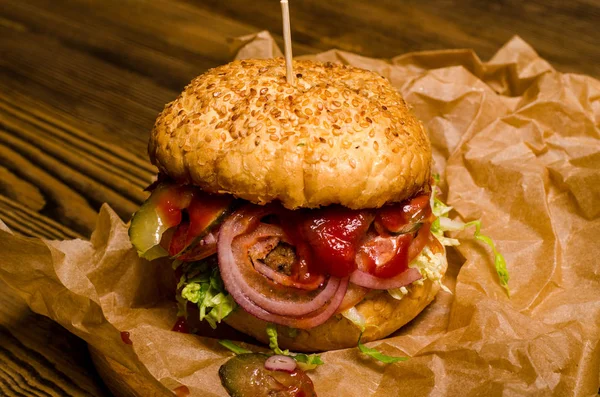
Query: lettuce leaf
[377,355]
[226,343]
[306,362]
[445,224]
[355,317]
[201,284]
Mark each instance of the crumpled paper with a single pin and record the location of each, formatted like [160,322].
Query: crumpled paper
[516,143]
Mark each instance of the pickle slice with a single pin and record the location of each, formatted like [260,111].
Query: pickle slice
[245,375]
[160,212]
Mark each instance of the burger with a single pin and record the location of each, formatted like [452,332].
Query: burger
[304,209]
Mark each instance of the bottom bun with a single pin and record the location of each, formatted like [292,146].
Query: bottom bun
[383,315]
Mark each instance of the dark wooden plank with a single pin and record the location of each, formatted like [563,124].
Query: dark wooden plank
[37,356]
[40,358]
[566,33]
[25,221]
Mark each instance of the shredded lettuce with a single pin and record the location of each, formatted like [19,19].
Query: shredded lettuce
[292,332]
[201,284]
[233,347]
[444,224]
[377,355]
[499,261]
[355,317]
[306,362]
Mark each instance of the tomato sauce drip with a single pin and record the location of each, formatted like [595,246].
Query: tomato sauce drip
[395,217]
[181,326]
[125,338]
[169,206]
[182,391]
[327,240]
[386,256]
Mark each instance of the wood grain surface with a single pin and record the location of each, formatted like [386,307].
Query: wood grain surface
[81,83]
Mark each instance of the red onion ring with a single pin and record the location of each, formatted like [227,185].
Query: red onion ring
[354,295]
[312,320]
[257,303]
[280,363]
[367,280]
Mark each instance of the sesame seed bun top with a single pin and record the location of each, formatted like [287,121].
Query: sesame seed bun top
[341,135]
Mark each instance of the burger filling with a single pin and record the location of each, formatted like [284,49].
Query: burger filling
[294,268]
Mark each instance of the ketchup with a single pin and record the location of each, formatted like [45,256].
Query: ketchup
[395,217]
[181,326]
[170,206]
[125,338]
[327,238]
[182,391]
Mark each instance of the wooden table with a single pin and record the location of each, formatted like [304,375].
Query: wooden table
[81,83]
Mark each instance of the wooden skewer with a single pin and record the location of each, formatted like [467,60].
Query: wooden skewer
[287,38]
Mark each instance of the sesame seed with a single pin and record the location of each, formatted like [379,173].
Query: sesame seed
[273,137]
[369,120]
[216,94]
[375,146]
[223,137]
[264,91]
[210,86]
[227,97]
[324,157]
[352,163]
[372,133]
[308,111]
[252,124]
[396,149]
[333,162]
[320,105]
[337,127]
[336,104]
[272,130]
[220,125]
[259,127]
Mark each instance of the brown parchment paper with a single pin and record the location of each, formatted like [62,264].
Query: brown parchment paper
[517,144]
